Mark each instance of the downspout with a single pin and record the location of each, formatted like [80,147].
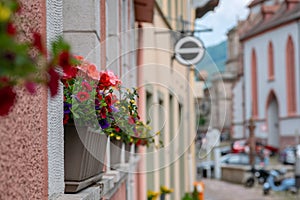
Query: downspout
[141,176]
[243,90]
[190,158]
[298,24]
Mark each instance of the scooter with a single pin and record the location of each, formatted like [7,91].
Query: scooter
[260,175]
[284,185]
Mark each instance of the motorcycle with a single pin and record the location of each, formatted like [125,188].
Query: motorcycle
[284,185]
[260,175]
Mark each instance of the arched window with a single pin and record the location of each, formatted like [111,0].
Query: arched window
[290,77]
[254,84]
[270,61]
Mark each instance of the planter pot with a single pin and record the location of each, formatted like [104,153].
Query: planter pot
[84,156]
[136,148]
[127,152]
[115,152]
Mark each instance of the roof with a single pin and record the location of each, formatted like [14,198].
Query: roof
[282,16]
[208,6]
[255,2]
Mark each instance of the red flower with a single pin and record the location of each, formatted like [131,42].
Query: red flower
[117,129]
[37,42]
[66,118]
[10,29]
[64,59]
[104,80]
[86,86]
[64,62]
[3,80]
[83,96]
[99,96]
[53,81]
[108,100]
[103,113]
[70,72]
[141,142]
[31,87]
[7,99]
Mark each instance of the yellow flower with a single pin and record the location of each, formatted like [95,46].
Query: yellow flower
[111,135]
[165,190]
[132,101]
[152,194]
[118,137]
[5,13]
[131,140]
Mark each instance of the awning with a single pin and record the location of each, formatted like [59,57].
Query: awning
[144,10]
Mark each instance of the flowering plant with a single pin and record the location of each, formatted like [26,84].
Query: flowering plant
[88,95]
[27,63]
[90,99]
[126,124]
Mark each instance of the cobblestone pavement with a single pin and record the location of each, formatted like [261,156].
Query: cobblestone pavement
[220,190]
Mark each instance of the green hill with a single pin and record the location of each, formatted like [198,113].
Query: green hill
[214,59]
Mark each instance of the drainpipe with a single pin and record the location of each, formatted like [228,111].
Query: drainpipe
[141,176]
[297,164]
[190,160]
[298,24]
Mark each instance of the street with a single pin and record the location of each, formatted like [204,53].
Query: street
[220,190]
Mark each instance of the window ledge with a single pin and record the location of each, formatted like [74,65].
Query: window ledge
[107,187]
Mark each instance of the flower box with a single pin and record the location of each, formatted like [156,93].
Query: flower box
[84,156]
[115,152]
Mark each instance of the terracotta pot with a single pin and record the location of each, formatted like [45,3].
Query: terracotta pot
[84,152]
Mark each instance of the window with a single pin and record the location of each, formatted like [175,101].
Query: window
[254,84]
[290,77]
[270,61]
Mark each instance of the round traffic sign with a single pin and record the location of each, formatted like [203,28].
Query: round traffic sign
[189,50]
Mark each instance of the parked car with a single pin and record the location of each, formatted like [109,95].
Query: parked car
[288,155]
[228,159]
[240,146]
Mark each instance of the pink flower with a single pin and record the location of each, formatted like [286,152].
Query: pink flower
[114,80]
[92,72]
[108,79]
[83,96]
[86,86]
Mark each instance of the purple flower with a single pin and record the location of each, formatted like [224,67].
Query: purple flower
[97,103]
[114,109]
[104,124]
[67,108]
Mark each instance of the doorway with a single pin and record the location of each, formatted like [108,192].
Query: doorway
[273,120]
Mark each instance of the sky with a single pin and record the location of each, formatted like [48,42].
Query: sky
[221,20]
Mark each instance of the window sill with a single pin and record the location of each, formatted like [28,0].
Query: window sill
[107,187]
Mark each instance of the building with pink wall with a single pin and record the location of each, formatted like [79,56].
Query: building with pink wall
[32,135]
